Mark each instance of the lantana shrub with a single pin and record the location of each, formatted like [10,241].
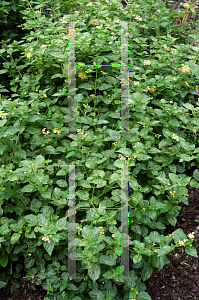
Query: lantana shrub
[37,150]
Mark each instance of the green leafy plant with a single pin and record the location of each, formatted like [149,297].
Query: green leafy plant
[37,151]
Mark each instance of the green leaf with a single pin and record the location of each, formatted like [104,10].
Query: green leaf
[100,183]
[165,250]
[2,284]
[143,296]
[62,183]
[96,295]
[14,238]
[28,188]
[104,86]
[11,131]
[190,250]
[179,236]
[61,224]
[94,272]
[2,122]
[108,260]
[137,258]
[125,151]
[146,272]
[4,260]
[49,247]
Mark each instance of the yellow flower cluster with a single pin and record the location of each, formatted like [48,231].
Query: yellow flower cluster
[55,130]
[191,235]
[82,75]
[46,239]
[102,231]
[173,194]
[46,133]
[185,69]
[29,55]
[152,89]
[136,82]
[175,137]
[95,22]
[121,157]
[186,5]
[147,62]
[186,83]
[3,115]
[138,18]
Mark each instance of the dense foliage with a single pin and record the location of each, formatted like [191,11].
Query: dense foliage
[37,151]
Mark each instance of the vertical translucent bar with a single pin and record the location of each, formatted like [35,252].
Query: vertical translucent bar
[71,82]
[124,79]
[124,223]
[72,225]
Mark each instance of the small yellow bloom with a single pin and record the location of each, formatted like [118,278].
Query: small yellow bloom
[64,21]
[185,69]
[147,62]
[138,18]
[82,75]
[76,11]
[29,55]
[95,22]
[45,96]
[113,33]
[152,89]
[191,235]
[167,48]
[38,12]
[136,82]
[117,21]
[175,137]
[186,83]
[43,46]
[103,73]
[194,131]
[89,4]
[3,115]
[158,10]
[173,78]
[186,5]
[55,130]
[192,10]
[93,96]
[181,243]
[110,42]
[126,12]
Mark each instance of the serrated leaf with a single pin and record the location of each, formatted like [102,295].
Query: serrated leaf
[14,238]
[28,188]
[62,183]
[108,260]
[94,272]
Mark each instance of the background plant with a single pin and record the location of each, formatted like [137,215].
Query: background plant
[36,150]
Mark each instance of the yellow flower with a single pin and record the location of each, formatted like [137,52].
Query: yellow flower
[191,235]
[93,96]
[38,12]
[194,131]
[136,82]
[3,115]
[103,73]
[167,48]
[95,22]
[82,75]
[117,21]
[186,83]
[110,42]
[158,10]
[64,21]
[152,89]
[186,5]
[181,243]
[138,18]
[112,33]
[89,4]
[43,46]
[45,96]
[192,10]
[185,69]
[76,11]
[29,55]
[173,78]
[175,137]
[55,130]
[147,62]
